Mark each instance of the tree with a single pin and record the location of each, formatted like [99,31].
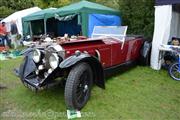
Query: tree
[10,6]
[110,3]
[17,4]
[138,15]
[40,3]
[59,3]
[51,3]
[5,11]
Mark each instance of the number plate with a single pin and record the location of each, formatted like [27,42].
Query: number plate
[30,86]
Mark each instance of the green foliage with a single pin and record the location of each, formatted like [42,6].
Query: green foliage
[17,4]
[59,3]
[138,15]
[10,6]
[109,3]
[5,11]
[41,3]
[51,3]
[139,93]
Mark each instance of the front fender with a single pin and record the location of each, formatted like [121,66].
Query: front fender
[26,67]
[96,66]
[27,51]
[72,60]
[145,53]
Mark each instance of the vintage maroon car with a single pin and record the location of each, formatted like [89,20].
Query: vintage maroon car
[80,62]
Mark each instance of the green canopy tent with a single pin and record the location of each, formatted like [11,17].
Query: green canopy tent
[83,10]
[36,21]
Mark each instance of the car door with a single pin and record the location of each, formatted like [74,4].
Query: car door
[105,55]
[119,52]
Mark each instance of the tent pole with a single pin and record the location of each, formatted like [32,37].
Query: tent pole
[45,29]
[30,26]
[84,24]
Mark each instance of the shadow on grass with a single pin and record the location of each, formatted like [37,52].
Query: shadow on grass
[49,99]
[119,71]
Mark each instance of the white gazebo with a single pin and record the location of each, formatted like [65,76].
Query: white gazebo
[17,16]
[167,25]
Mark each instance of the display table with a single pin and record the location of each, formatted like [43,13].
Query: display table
[165,48]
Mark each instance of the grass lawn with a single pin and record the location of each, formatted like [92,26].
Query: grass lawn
[139,93]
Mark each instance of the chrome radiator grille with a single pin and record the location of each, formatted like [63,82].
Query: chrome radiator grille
[46,57]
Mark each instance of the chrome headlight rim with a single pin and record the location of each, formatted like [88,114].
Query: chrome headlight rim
[54,60]
[57,49]
[36,55]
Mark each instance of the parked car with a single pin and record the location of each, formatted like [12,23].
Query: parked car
[80,62]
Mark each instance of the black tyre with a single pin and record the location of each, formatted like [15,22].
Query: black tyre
[78,86]
[174,72]
[145,53]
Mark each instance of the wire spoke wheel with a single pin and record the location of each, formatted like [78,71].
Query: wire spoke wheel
[78,86]
[83,87]
[174,71]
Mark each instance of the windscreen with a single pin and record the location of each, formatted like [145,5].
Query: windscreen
[117,32]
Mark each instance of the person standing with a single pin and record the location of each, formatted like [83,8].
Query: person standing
[14,33]
[2,29]
[3,33]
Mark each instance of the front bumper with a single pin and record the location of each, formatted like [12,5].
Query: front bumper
[38,76]
[36,85]
[33,84]
[34,81]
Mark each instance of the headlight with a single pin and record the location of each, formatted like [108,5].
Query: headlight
[57,48]
[54,60]
[36,55]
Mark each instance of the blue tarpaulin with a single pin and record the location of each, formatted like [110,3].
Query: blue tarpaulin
[71,27]
[102,20]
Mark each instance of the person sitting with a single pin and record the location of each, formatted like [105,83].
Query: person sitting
[171,57]
[175,41]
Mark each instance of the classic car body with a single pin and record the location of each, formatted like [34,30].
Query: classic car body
[80,62]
